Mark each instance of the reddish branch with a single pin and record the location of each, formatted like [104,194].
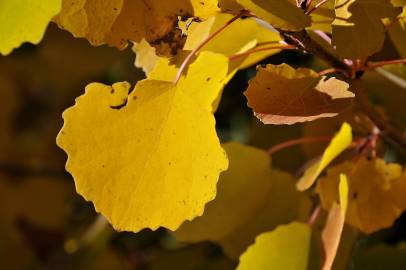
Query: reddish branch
[374,65]
[302,40]
[256,49]
[290,143]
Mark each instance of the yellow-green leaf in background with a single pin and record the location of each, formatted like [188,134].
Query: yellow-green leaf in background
[283,14]
[153,160]
[251,177]
[287,248]
[376,192]
[333,229]
[24,21]
[323,17]
[338,144]
[358,31]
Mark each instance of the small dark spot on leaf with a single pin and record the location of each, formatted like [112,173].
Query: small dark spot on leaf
[112,91]
[355,195]
[208,79]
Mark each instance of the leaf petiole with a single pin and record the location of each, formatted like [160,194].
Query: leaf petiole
[256,49]
[204,42]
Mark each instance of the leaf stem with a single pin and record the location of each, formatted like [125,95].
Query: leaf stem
[314,216]
[374,65]
[256,49]
[294,142]
[331,70]
[302,40]
[319,4]
[204,42]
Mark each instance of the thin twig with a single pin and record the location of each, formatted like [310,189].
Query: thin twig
[204,42]
[294,142]
[331,70]
[374,65]
[302,40]
[269,43]
[316,6]
[255,50]
[315,214]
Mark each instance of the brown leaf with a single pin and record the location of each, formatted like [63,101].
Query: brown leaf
[282,95]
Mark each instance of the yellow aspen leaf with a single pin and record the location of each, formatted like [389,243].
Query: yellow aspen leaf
[166,69]
[333,229]
[250,176]
[240,36]
[284,95]
[358,31]
[146,57]
[376,192]
[287,247]
[283,14]
[323,17]
[118,21]
[152,161]
[204,79]
[338,144]
[24,21]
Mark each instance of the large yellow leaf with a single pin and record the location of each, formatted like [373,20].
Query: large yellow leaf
[358,31]
[281,14]
[249,176]
[118,21]
[287,248]
[147,160]
[24,21]
[376,192]
[284,95]
[204,79]
[338,144]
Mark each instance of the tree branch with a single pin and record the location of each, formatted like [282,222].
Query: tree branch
[302,40]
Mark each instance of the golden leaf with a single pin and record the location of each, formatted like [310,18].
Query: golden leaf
[152,161]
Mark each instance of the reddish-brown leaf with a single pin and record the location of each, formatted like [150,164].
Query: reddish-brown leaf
[284,95]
